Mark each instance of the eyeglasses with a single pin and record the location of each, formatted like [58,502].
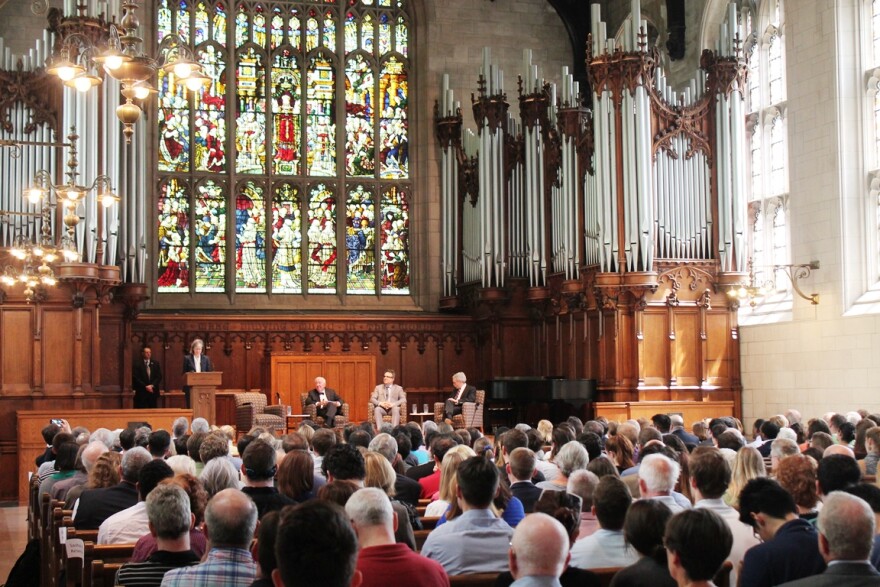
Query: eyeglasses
[388,376]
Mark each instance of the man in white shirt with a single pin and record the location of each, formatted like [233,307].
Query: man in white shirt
[710,476]
[130,524]
[606,547]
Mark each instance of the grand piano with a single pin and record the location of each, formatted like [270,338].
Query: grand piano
[511,400]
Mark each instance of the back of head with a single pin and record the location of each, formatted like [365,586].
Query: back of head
[150,475]
[769,430]
[611,500]
[783,447]
[311,532]
[478,481]
[379,473]
[821,440]
[213,446]
[291,442]
[837,472]
[765,496]
[730,438]
[91,454]
[133,461]
[193,445]
[370,506]
[630,431]
[644,525]
[513,439]
[440,444]
[338,492]
[65,457]
[867,491]
[159,443]
[659,473]
[230,519]
[142,436]
[583,483]
[797,475]
[218,475]
[168,509]
[564,507]
[385,445]
[700,540]
[710,472]
[258,461]
[179,427]
[591,442]
[49,431]
[323,440]
[522,463]
[572,457]
[648,434]
[267,535]
[662,422]
[104,436]
[360,438]
[200,425]
[847,523]
[344,462]
[539,546]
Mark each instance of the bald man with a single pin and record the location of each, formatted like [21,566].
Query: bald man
[538,552]
[230,521]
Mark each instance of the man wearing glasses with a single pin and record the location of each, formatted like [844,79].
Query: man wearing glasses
[386,398]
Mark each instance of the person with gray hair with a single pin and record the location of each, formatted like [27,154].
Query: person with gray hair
[539,552]
[179,427]
[170,520]
[780,449]
[218,475]
[405,489]
[104,436]
[96,505]
[570,458]
[461,394]
[657,477]
[230,521]
[200,425]
[88,455]
[846,535]
[381,560]
[583,483]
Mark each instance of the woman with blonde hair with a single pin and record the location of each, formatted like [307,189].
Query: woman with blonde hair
[379,473]
[448,483]
[748,465]
[545,429]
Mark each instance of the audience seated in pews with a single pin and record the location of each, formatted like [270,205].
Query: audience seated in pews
[258,472]
[198,500]
[130,524]
[521,470]
[96,505]
[606,547]
[538,552]
[643,530]
[697,544]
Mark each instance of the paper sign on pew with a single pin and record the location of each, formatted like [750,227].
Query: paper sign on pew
[75,548]
[62,534]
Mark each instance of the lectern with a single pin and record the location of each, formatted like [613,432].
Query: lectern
[203,386]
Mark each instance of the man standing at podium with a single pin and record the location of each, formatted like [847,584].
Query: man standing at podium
[146,375]
[195,362]
[386,397]
[326,401]
[463,393]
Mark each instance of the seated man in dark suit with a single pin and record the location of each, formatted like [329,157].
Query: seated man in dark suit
[522,467]
[96,505]
[846,532]
[790,548]
[326,401]
[463,393]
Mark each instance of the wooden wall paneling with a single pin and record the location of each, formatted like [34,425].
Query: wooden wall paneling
[654,368]
[84,360]
[9,462]
[686,361]
[690,411]
[111,359]
[591,346]
[16,349]
[717,360]
[31,422]
[58,348]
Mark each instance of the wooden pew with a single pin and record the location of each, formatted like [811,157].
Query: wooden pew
[430,523]
[104,574]
[47,506]
[59,523]
[420,536]
[473,580]
[605,575]
[420,510]
[33,509]
[79,571]
[424,502]
[722,577]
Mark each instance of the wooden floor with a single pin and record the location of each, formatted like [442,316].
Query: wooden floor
[13,537]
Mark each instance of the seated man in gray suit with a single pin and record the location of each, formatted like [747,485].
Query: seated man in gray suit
[387,397]
[846,533]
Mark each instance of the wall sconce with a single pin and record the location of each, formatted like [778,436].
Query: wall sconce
[753,291]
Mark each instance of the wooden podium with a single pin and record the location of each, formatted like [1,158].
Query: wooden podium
[203,386]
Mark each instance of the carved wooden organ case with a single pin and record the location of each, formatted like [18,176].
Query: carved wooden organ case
[606,236]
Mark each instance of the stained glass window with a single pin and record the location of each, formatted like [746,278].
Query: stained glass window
[318,172]
[250,249]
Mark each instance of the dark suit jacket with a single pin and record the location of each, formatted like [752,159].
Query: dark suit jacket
[792,554]
[646,571]
[408,490]
[527,492]
[315,396]
[139,379]
[96,505]
[686,437]
[469,395]
[189,364]
[764,449]
[571,577]
[851,574]
[420,471]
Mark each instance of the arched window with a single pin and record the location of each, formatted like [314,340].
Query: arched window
[289,172]
[770,241]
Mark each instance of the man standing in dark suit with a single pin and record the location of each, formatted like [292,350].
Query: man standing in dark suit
[96,505]
[146,375]
[195,362]
[846,531]
[463,393]
[326,401]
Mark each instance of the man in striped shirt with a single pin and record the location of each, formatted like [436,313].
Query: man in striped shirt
[170,519]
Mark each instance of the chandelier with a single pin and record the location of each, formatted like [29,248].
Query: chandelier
[88,42]
[36,258]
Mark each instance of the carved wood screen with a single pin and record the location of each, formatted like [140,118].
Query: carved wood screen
[352,376]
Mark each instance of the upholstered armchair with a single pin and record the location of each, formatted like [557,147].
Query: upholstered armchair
[342,414]
[471,415]
[404,411]
[251,410]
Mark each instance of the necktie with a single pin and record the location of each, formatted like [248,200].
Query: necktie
[458,395]
[387,393]
[148,369]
